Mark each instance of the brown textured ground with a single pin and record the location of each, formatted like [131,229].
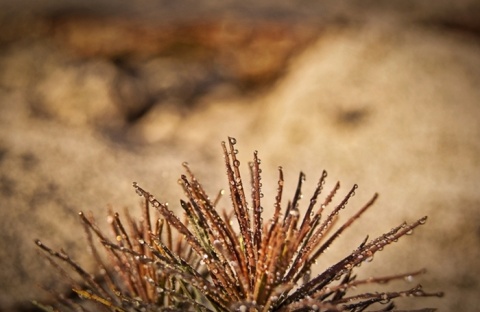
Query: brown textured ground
[385,96]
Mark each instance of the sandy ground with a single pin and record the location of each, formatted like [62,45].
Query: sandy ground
[385,96]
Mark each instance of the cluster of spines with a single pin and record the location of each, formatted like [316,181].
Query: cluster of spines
[206,265]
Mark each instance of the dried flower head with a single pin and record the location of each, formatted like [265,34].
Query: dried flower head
[213,260]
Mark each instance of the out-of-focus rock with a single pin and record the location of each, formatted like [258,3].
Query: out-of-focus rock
[249,51]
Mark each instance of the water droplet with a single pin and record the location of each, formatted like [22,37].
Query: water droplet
[139,192]
[242,308]
[409,232]
[369,257]
[141,241]
[385,299]
[422,220]
[233,141]
[236,163]
[409,278]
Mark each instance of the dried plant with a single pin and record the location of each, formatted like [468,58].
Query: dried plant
[215,260]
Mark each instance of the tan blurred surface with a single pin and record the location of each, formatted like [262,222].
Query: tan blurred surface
[385,96]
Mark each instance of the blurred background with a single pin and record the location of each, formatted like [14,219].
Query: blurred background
[97,94]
